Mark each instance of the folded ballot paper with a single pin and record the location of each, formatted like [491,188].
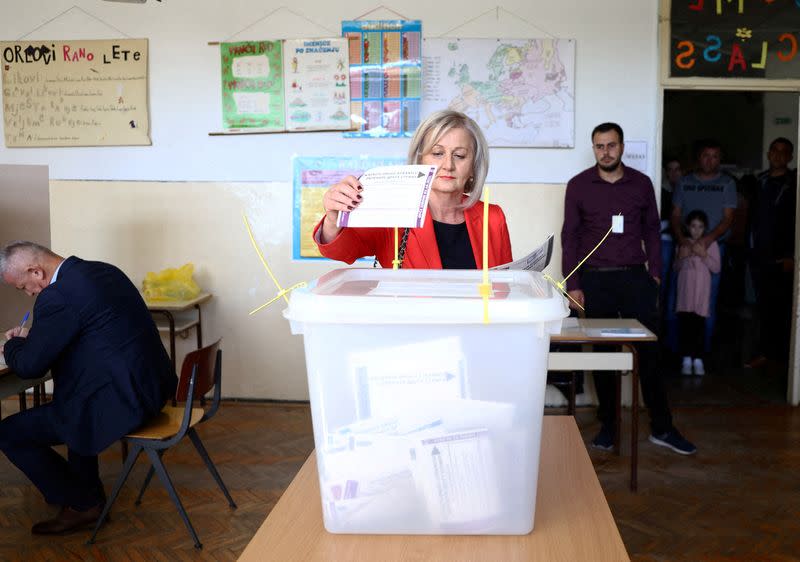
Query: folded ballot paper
[392,196]
[537,260]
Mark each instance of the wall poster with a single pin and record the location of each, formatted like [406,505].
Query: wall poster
[385,76]
[312,177]
[316,84]
[75,93]
[252,86]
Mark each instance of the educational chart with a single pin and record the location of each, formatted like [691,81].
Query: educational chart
[252,86]
[316,84]
[75,93]
[735,39]
[312,177]
[520,91]
[385,77]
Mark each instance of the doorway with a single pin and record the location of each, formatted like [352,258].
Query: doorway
[744,123]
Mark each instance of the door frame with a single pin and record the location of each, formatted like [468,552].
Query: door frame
[732,85]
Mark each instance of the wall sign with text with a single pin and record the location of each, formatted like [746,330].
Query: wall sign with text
[735,38]
[75,93]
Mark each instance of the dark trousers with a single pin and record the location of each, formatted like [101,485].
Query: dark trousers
[27,439]
[630,293]
[692,329]
[774,289]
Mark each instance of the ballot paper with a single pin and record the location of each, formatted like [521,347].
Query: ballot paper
[392,196]
[458,478]
[390,380]
[537,260]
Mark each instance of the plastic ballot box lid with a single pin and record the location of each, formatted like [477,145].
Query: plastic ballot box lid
[427,296]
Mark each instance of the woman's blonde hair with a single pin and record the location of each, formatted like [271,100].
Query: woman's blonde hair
[439,124]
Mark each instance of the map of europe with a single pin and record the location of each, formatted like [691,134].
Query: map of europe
[520,91]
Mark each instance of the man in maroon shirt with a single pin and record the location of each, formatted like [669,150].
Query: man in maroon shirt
[620,278]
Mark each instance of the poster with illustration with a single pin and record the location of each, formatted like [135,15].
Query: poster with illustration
[252,86]
[316,84]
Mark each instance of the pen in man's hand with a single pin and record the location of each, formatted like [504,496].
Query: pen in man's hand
[24,320]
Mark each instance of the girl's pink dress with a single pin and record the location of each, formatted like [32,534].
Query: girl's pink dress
[694,280]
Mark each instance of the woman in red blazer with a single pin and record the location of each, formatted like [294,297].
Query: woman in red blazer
[452,235]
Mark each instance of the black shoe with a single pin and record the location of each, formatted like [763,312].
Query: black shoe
[675,441]
[604,440]
[67,520]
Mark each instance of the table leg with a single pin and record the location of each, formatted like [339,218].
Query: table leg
[634,417]
[36,397]
[171,320]
[618,429]
[571,405]
[23,402]
[199,327]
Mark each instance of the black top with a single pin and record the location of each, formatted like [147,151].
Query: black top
[455,249]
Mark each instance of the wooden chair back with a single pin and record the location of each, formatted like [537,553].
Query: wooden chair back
[208,362]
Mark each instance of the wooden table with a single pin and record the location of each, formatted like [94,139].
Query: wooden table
[586,331]
[11,384]
[572,522]
[169,309]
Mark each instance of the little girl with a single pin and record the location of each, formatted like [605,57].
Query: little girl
[695,263]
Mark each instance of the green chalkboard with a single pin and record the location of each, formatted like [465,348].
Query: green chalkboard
[735,38]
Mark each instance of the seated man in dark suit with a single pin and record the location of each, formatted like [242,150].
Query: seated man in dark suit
[111,373]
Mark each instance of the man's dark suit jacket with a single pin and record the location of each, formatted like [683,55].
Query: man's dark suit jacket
[110,370]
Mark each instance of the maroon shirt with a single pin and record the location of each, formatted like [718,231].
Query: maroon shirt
[588,206]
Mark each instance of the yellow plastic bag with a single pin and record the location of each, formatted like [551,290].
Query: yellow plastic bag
[171,284]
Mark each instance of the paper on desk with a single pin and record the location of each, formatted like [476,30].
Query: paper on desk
[392,196]
[616,333]
[569,323]
[537,260]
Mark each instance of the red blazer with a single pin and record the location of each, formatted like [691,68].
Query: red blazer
[422,251]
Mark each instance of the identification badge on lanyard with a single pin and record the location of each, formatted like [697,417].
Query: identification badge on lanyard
[617,224]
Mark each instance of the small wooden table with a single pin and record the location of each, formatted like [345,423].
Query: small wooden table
[11,384]
[169,309]
[587,331]
[572,522]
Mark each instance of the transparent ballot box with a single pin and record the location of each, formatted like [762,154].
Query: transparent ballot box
[427,420]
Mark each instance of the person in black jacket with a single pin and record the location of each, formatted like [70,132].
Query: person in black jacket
[110,370]
[772,245]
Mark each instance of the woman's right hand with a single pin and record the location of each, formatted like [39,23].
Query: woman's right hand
[343,196]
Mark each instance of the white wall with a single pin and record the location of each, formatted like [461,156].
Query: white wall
[196,216]
[616,80]
[779,105]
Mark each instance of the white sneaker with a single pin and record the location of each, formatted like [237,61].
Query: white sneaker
[686,369]
[699,368]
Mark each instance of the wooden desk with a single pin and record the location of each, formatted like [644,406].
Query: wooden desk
[586,332]
[572,522]
[169,309]
[11,384]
